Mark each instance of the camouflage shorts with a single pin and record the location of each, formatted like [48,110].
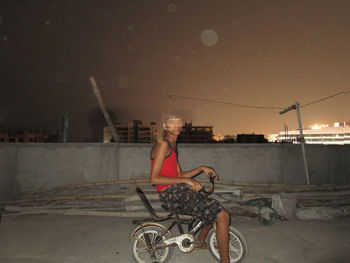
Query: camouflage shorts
[180,198]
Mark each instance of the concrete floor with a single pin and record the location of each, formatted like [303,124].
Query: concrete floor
[68,239]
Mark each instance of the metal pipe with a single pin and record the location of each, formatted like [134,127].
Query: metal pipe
[302,140]
[103,108]
[65,126]
[302,143]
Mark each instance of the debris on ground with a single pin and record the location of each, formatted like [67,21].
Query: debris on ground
[119,198]
[284,204]
[324,213]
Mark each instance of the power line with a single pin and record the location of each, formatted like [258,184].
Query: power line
[14,70]
[189,97]
[326,98]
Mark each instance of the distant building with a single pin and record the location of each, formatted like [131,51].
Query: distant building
[3,137]
[251,138]
[339,134]
[228,139]
[224,138]
[195,134]
[134,132]
[23,137]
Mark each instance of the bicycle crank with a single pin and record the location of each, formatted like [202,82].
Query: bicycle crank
[185,242]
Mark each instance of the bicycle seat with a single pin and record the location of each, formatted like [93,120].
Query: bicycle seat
[146,202]
[150,209]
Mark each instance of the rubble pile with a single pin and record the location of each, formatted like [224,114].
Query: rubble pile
[119,198]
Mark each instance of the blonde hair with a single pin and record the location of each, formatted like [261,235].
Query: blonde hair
[166,117]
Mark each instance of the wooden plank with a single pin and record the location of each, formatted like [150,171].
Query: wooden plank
[63,198]
[27,211]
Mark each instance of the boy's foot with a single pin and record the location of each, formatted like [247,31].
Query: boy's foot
[202,246]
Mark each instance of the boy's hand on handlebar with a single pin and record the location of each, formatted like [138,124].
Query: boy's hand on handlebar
[209,171]
[196,186]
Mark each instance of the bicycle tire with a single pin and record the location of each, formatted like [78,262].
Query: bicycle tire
[139,249]
[238,248]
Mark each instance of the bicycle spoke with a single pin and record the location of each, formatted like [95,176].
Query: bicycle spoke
[158,251]
[156,254]
[141,241]
[235,245]
[237,251]
[140,250]
[235,248]
[153,238]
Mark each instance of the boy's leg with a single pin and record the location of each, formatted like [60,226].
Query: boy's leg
[222,226]
[202,236]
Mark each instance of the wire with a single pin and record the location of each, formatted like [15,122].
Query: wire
[14,70]
[226,103]
[326,98]
[189,97]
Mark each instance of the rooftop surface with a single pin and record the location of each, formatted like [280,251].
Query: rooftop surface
[88,239]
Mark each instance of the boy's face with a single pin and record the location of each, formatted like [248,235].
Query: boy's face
[173,125]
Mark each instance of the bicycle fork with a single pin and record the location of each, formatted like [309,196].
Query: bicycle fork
[150,247]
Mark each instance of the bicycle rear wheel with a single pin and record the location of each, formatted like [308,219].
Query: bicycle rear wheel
[238,248]
[140,251]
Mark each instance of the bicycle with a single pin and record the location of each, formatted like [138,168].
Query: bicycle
[152,242]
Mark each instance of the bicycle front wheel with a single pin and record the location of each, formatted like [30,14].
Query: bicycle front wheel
[238,248]
[157,253]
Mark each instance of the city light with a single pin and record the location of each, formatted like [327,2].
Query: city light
[318,127]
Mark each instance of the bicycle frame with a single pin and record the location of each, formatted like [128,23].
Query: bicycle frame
[187,238]
[175,221]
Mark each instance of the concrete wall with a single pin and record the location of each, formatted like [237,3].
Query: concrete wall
[29,166]
[8,179]
[271,163]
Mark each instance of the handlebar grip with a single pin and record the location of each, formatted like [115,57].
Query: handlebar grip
[211,178]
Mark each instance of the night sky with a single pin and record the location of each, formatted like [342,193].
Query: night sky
[201,58]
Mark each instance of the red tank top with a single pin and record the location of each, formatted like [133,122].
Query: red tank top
[169,168]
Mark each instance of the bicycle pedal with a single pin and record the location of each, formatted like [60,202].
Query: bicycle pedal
[197,243]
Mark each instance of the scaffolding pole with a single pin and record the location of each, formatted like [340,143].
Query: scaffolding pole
[302,140]
[103,108]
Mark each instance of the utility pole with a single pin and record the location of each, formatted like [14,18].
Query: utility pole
[103,108]
[65,127]
[302,140]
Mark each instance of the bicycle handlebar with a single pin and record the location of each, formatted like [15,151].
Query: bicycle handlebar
[211,190]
